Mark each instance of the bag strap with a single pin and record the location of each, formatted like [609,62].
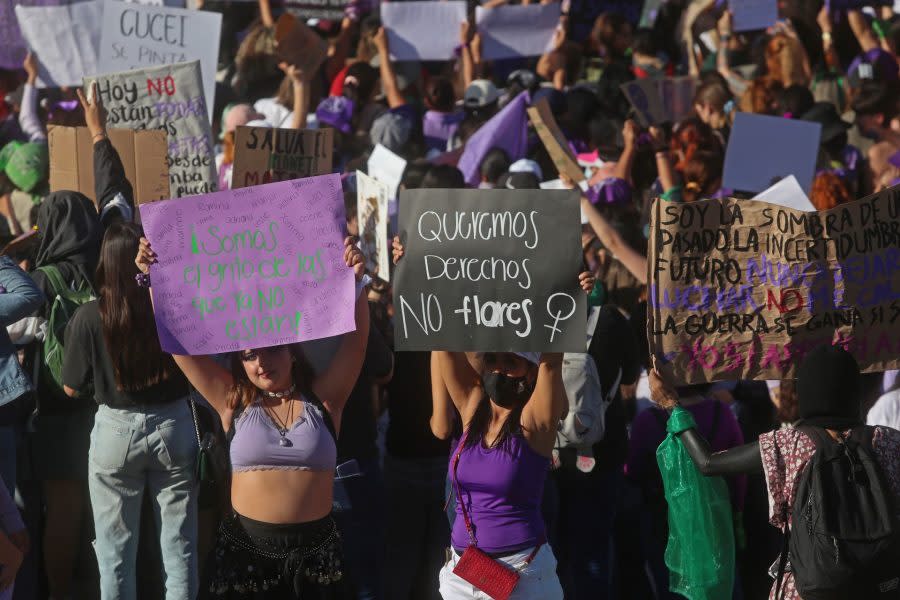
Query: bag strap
[459,498]
[190,400]
[462,503]
[55,278]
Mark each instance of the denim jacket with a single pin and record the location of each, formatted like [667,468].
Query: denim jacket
[19,297]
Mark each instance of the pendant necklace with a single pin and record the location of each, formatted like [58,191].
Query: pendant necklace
[282,426]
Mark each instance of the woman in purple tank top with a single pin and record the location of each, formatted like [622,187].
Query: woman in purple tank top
[510,405]
[281,542]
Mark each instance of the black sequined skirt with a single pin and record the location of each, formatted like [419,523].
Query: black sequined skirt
[256,561]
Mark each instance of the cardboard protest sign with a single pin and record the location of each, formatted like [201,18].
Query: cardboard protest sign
[489,270]
[372,220]
[514,31]
[250,268]
[331,10]
[136,35]
[299,45]
[169,98]
[143,155]
[554,141]
[753,14]
[763,150]
[265,154]
[423,30]
[643,95]
[787,193]
[742,289]
[66,40]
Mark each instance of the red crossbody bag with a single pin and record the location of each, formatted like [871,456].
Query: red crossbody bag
[490,576]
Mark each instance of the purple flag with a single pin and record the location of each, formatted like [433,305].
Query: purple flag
[249,268]
[507,130]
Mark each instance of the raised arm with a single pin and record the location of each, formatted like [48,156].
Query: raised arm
[213,381]
[740,460]
[300,83]
[466,35]
[114,193]
[388,77]
[633,260]
[443,412]
[334,384]
[548,402]
[29,120]
[864,34]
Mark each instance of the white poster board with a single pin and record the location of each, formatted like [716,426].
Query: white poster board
[787,193]
[64,38]
[372,220]
[514,31]
[423,30]
[139,35]
[170,98]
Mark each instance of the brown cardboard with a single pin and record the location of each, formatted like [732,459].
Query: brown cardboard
[554,141]
[263,154]
[742,289]
[299,45]
[143,155]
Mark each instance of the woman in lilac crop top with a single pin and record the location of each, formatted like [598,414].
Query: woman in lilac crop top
[285,420]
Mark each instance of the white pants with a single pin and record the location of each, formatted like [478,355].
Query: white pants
[537,581]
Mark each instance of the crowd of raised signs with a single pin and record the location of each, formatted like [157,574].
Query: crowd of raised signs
[286,288]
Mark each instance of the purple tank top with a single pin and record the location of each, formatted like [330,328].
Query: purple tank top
[502,488]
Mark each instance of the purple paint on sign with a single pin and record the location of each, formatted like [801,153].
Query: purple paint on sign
[238,281]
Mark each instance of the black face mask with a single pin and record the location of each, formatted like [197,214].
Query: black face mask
[506,392]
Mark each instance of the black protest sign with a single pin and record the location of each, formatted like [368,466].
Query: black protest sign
[490,270]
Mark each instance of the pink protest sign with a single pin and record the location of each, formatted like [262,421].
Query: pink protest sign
[249,268]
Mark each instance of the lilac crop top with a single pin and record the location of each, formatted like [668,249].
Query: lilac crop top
[255,447]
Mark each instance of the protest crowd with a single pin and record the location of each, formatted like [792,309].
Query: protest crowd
[538,300]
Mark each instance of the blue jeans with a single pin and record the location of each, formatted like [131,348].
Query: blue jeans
[153,448]
[583,536]
[418,532]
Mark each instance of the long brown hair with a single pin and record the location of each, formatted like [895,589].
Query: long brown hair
[126,315]
[243,392]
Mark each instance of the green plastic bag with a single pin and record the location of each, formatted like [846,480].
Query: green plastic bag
[700,552]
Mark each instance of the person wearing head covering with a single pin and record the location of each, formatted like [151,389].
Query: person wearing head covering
[69,235]
[828,398]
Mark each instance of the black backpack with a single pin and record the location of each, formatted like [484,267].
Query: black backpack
[844,541]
